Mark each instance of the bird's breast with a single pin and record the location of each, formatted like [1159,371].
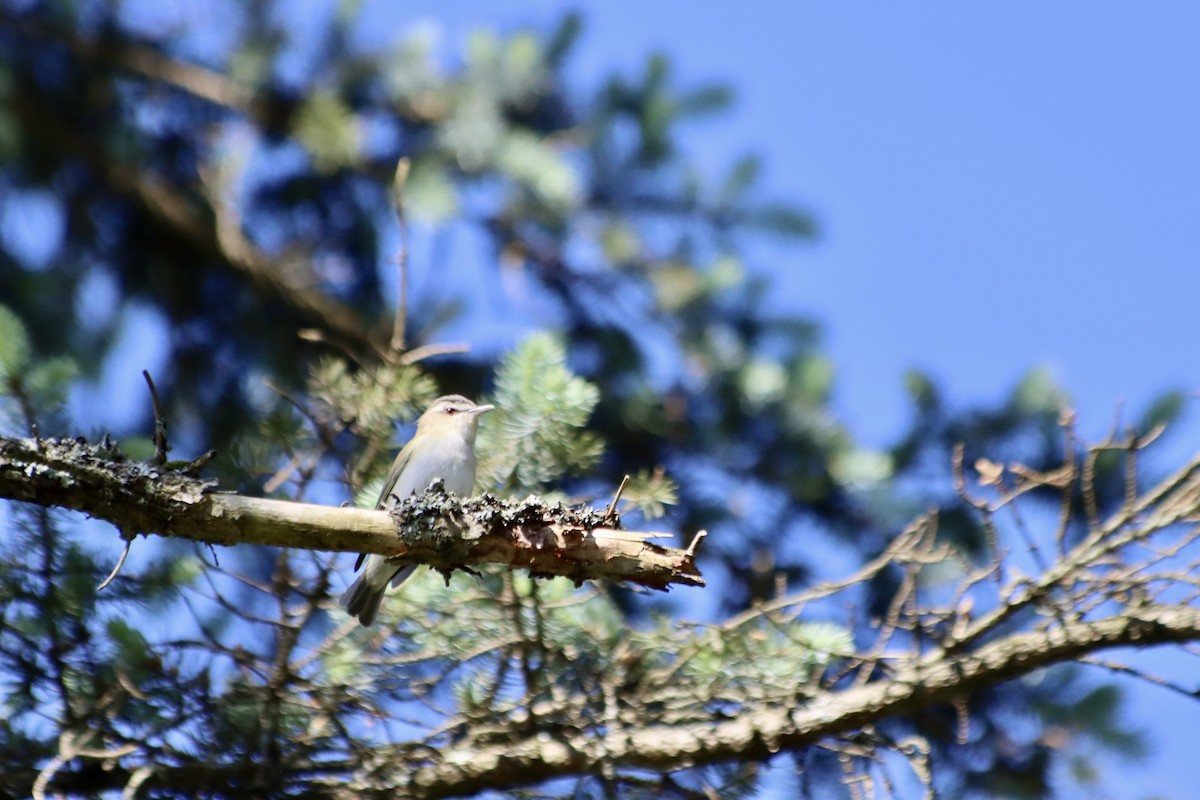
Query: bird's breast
[454,464]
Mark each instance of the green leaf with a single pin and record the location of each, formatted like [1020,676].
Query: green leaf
[483,48]
[781,220]
[860,468]
[539,167]
[185,569]
[676,286]
[50,381]
[412,75]
[138,448]
[725,273]
[741,177]
[1038,393]
[372,401]
[619,242]
[761,382]
[329,130]
[812,379]
[14,345]
[1164,410]
[342,662]
[563,40]
[705,100]
[429,194]
[921,389]
[131,646]
[510,71]
[523,60]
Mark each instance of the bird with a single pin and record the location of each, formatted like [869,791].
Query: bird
[442,447]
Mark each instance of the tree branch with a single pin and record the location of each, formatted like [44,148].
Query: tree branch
[759,731]
[176,213]
[765,728]
[435,529]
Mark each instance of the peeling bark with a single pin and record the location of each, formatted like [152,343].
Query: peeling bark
[436,529]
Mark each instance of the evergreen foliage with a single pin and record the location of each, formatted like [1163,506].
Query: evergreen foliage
[538,432]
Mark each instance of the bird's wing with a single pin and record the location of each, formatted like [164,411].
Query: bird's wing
[389,484]
[410,475]
[390,488]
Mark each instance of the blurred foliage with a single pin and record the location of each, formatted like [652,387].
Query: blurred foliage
[14,346]
[538,431]
[582,639]
[235,188]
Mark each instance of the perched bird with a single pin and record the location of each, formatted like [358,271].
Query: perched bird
[443,447]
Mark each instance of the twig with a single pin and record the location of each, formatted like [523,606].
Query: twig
[325,433]
[1131,468]
[1087,480]
[281,476]
[610,513]
[117,568]
[1126,669]
[1066,420]
[161,448]
[70,746]
[1089,469]
[429,350]
[959,474]
[401,318]
[38,790]
[139,776]
[128,685]
[915,750]
[318,336]
[963,714]
[915,543]
[891,622]
[197,464]
[1030,541]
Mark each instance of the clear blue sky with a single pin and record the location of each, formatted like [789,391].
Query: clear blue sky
[998,187]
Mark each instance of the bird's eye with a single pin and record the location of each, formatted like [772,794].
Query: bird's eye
[451,410]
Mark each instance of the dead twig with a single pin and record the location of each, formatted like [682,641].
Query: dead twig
[161,448]
[120,563]
[610,513]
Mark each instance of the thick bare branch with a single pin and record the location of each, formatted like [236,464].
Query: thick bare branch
[765,729]
[435,529]
[758,732]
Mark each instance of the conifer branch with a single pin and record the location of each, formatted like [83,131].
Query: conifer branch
[435,529]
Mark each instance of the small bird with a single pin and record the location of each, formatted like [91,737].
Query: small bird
[443,447]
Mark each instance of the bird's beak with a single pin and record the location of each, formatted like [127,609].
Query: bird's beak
[482,409]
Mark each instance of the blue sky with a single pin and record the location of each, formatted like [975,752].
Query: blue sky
[998,187]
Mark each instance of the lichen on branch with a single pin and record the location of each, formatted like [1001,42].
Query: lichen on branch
[435,529]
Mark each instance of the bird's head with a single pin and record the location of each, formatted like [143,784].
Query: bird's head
[452,413]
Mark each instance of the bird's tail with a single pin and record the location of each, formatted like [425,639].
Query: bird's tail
[362,598]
